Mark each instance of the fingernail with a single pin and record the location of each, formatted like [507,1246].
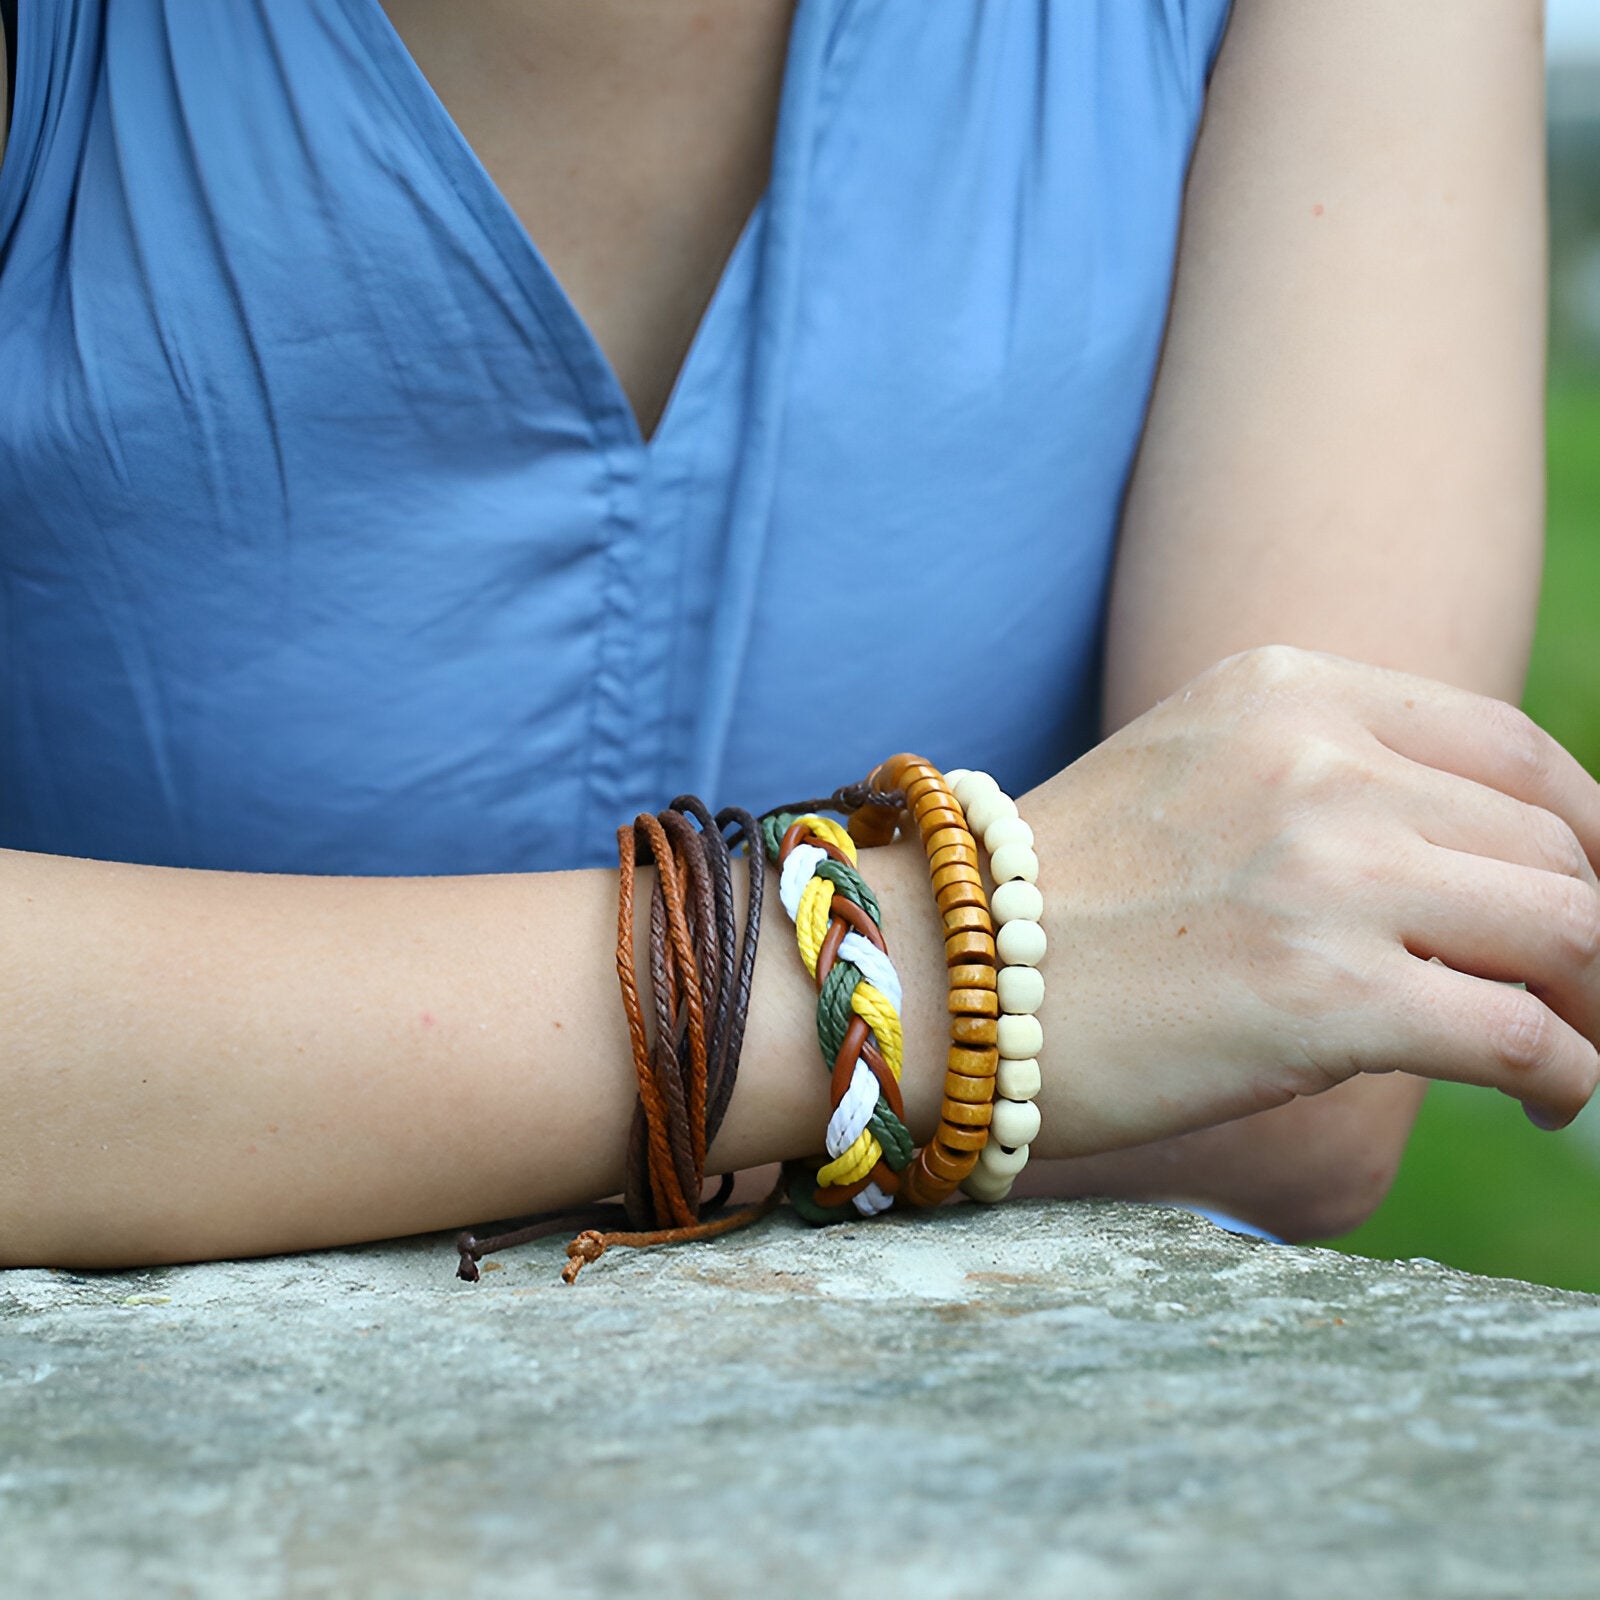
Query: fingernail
[1542,1119]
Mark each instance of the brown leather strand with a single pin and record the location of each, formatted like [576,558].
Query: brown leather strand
[700,979]
[591,1245]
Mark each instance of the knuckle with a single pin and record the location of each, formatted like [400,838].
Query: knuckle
[1558,846]
[1524,742]
[1317,765]
[1521,1031]
[1265,668]
[1576,918]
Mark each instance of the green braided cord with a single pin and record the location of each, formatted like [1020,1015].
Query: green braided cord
[893,1135]
[834,1014]
[833,1009]
[802,1176]
[773,829]
[852,886]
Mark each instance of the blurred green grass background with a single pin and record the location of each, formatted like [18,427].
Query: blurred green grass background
[1480,1187]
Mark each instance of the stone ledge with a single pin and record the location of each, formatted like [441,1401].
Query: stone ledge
[1059,1400]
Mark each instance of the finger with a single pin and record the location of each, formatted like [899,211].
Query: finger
[1493,743]
[1458,814]
[1474,736]
[1512,924]
[1467,1030]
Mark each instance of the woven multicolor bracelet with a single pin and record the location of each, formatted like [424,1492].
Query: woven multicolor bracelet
[1017,906]
[970,958]
[839,930]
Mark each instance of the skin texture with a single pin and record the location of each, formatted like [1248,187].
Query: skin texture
[1345,445]
[1343,454]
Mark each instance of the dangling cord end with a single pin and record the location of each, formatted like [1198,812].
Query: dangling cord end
[470,1250]
[588,1246]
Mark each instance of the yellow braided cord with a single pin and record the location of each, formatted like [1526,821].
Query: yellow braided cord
[854,1164]
[812,919]
[811,926]
[827,828]
[871,1004]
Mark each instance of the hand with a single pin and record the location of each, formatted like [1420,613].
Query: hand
[1298,868]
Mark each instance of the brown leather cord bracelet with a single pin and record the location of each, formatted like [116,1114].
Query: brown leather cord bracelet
[699,1003]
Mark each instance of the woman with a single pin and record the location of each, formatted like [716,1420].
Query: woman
[429,435]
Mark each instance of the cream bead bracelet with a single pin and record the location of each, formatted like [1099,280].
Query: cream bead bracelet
[1017,907]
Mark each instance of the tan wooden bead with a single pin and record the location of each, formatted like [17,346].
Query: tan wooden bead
[974,975]
[968,919]
[935,842]
[924,783]
[956,874]
[1001,1162]
[987,809]
[964,947]
[972,1091]
[949,1165]
[972,784]
[872,826]
[956,895]
[1018,1080]
[1021,990]
[966,1139]
[1007,830]
[975,1002]
[950,855]
[932,815]
[986,1187]
[1016,900]
[1015,1122]
[1021,944]
[965,1113]
[973,1062]
[975,1030]
[1014,861]
[1020,1038]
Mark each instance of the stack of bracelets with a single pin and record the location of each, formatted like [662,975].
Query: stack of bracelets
[700,974]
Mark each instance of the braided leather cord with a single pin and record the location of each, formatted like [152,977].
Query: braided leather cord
[838,929]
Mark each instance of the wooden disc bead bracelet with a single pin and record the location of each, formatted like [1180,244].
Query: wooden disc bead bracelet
[1017,906]
[952,1153]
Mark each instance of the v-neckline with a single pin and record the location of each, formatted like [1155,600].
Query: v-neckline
[436,122]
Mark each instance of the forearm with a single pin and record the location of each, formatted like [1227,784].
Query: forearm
[210,1064]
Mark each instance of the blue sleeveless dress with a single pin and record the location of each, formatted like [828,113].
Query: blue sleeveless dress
[328,540]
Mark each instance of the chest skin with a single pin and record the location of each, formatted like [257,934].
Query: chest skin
[631,140]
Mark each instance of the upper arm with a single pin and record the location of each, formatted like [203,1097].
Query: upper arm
[1345,442]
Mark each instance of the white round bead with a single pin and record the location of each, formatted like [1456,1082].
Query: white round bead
[1021,990]
[955,775]
[971,786]
[1021,1038]
[1014,861]
[1021,944]
[1016,901]
[1001,1163]
[989,1187]
[1018,1080]
[989,809]
[1015,1122]
[1006,830]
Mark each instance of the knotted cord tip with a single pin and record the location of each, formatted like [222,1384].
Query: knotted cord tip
[467,1267]
[588,1246]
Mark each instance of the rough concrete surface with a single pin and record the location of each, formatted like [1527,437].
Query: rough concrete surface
[1062,1400]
